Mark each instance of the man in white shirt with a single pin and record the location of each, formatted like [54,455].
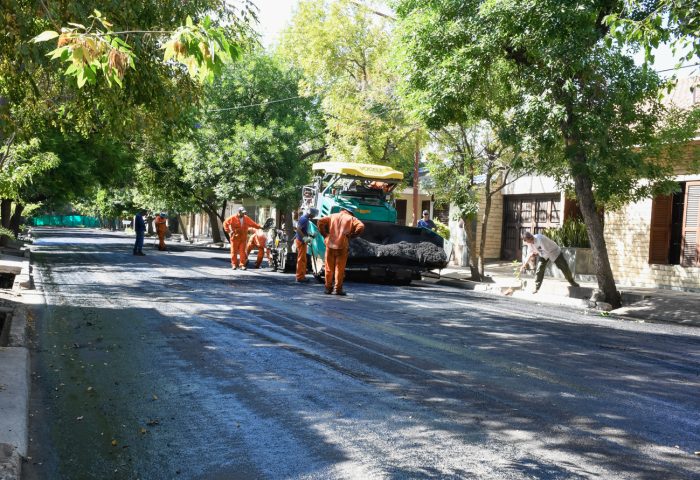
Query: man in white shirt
[546,249]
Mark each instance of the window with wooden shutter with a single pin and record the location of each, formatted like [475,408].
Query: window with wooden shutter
[690,250]
[660,235]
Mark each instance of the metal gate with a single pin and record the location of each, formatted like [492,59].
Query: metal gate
[523,213]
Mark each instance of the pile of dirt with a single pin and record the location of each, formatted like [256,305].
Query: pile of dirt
[423,253]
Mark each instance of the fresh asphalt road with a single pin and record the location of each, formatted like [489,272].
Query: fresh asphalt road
[174,366]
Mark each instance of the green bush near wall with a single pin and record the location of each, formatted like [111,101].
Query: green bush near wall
[442,229]
[572,234]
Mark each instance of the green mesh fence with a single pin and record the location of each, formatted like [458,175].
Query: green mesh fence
[65,221]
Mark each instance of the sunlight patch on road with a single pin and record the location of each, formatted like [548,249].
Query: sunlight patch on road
[182,326]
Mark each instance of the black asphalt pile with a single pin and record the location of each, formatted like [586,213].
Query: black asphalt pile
[423,253]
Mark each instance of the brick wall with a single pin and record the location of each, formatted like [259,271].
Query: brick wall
[627,237]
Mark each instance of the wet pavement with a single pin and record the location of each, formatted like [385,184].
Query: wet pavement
[174,366]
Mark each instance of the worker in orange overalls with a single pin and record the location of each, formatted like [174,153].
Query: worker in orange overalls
[161,230]
[237,228]
[337,229]
[258,240]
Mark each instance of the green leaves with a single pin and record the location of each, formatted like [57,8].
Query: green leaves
[89,51]
[345,52]
[97,50]
[45,36]
[202,48]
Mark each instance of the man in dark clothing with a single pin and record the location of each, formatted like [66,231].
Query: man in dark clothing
[301,240]
[426,222]
[140,229]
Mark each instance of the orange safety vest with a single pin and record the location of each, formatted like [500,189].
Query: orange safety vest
[259,239]
[238,227]
[161,227]
[339,228]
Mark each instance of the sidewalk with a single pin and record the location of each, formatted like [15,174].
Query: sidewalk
[646,304]
[15,303]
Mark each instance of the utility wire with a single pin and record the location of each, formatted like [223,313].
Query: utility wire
[237,107]
[684,66]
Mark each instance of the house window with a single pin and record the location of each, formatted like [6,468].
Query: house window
[690,250]
[675,227]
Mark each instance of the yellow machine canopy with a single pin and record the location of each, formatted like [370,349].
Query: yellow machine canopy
[364,170]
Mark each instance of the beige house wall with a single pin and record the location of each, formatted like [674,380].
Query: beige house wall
[627,235]
[407,195]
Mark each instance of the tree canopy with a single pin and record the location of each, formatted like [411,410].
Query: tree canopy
[344,52]
[246,144]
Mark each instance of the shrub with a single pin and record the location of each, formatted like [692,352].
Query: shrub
[6,232]
[571,234]
[442,229]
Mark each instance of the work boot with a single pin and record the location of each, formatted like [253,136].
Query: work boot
[303,280]
[328,291]
[341,293]
[234,267]
[140,254]
[244,267]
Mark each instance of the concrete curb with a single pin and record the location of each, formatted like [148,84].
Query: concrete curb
[14,405]
[15,383]
[554,294]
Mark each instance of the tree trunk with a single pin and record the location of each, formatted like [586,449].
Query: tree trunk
[604,275]
[485,222]
[214,223]
[288,228]
[471,245]
[5,211]
[16,219]
[149,225]
[182,226]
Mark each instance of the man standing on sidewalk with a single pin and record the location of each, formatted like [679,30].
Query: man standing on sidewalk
[546,249]
[237,228]
[301,240]
[140,229]
[338,229]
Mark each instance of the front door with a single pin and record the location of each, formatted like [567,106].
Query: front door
[531,213]
[401,212]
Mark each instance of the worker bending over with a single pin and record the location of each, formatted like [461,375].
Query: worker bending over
[337,230]
[258,240]
[161,230]
[301,240]
[237,228]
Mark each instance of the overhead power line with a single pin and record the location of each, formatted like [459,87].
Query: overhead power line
[237,107]
[684,66]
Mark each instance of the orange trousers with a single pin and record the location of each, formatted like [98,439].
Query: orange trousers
[301,259]
[335,267]
[261,252]
[161,241]
[238,250]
